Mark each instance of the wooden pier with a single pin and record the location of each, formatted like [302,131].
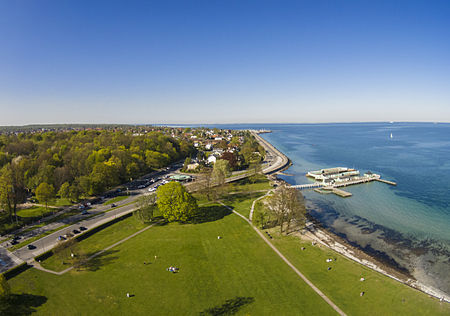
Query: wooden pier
[331,189]
[325,188]
[387,181]
[341,193]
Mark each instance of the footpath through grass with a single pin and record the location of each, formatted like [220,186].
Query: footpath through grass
[237,272]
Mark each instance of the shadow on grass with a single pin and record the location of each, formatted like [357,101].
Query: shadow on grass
[210,213]
[21,304]
[230,307]
[94,264]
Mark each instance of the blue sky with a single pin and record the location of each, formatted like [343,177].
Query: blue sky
[223,61]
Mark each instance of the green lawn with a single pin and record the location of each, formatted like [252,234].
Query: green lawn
[260,182]
[95,243]
[35,211]
[238,272]
[242,202]
[383,296]
[116,199]
[238,268]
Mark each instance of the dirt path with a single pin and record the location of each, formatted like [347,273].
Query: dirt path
[254,202]
[319,292]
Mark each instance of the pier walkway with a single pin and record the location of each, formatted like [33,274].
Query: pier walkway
[308,186]
[323,188]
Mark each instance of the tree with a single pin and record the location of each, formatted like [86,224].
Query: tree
[175,203]
[64,190]
[74,191]
[287,205]
[205,182]
[45,193]
[221,171]
[5,289]
[12,189]
[219,174]
[6,192]
[255,169]
[231,158]
[146,208]
[64,249]
[187,161]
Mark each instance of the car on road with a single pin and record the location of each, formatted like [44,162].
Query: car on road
[82,228]
[31,247]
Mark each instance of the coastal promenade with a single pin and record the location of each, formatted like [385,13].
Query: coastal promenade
[276,160]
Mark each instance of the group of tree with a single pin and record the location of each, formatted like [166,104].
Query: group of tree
[171,201]
[283,208]
[79,163]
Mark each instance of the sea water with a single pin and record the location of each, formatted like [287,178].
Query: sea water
[408,225]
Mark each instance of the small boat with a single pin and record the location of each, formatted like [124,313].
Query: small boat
[391,135]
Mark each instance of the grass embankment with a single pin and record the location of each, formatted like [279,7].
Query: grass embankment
[94,243]
[116,199]
[236,273]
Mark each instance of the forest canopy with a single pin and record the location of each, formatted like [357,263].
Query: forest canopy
[83,163]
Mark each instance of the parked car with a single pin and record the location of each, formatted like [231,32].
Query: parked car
[82,228]
[60,238]
[75,231]
[68,235]
[113,205]
[84,212]
[151,189]
[31,247]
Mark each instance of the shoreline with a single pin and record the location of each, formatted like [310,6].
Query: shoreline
[336,243]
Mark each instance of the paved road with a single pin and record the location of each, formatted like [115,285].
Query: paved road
[276,160]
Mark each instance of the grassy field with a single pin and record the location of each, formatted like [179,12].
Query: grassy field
[237,272]
[36,211]
[383,296]
[260,182]
[95,243]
